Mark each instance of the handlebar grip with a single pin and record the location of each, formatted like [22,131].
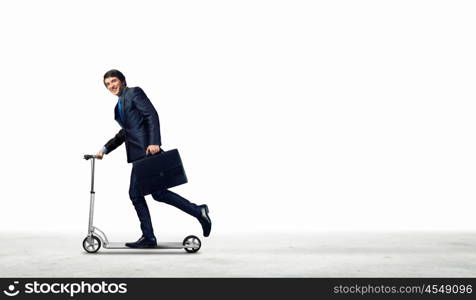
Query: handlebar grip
[89,156]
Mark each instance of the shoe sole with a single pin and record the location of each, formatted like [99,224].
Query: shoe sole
[141,247]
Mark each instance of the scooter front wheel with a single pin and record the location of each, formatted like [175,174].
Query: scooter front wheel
[91,244]
[194,241]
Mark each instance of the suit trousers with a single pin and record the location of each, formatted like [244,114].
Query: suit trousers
[166,196]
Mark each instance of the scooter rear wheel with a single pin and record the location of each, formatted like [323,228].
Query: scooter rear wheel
[91,244]
[191,239]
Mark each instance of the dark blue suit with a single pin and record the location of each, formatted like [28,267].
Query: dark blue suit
[140,128]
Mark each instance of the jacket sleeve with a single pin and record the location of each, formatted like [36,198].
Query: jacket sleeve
[148,112]
[115,142]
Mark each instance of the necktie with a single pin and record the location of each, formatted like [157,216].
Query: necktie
[120,104]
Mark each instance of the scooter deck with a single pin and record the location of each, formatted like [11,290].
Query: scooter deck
[160,245]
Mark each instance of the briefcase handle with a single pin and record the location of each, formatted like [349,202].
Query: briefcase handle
[161,150]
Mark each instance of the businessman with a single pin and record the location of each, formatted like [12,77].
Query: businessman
[140,131]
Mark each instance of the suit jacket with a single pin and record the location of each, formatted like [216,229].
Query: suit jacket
[140,127]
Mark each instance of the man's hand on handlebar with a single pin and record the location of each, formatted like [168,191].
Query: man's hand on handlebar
[99,155]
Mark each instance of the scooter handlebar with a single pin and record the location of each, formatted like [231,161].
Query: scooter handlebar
[89,156]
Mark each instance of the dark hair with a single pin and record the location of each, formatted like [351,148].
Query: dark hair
[115,73]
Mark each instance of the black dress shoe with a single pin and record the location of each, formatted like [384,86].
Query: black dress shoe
[204,220]
[143,242]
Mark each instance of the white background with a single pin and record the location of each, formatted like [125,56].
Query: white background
[289,115]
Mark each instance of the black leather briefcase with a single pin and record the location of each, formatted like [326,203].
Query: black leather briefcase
[160,171]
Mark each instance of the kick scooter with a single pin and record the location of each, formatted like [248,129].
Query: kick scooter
[96,237]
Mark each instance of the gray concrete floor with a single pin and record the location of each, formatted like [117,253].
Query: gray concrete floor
[340,254]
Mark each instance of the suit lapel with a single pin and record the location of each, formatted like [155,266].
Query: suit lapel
[117,116]
[124,103]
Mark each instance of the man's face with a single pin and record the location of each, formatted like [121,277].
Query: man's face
[114,85]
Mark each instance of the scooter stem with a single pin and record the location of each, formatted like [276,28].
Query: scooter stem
[92,196]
